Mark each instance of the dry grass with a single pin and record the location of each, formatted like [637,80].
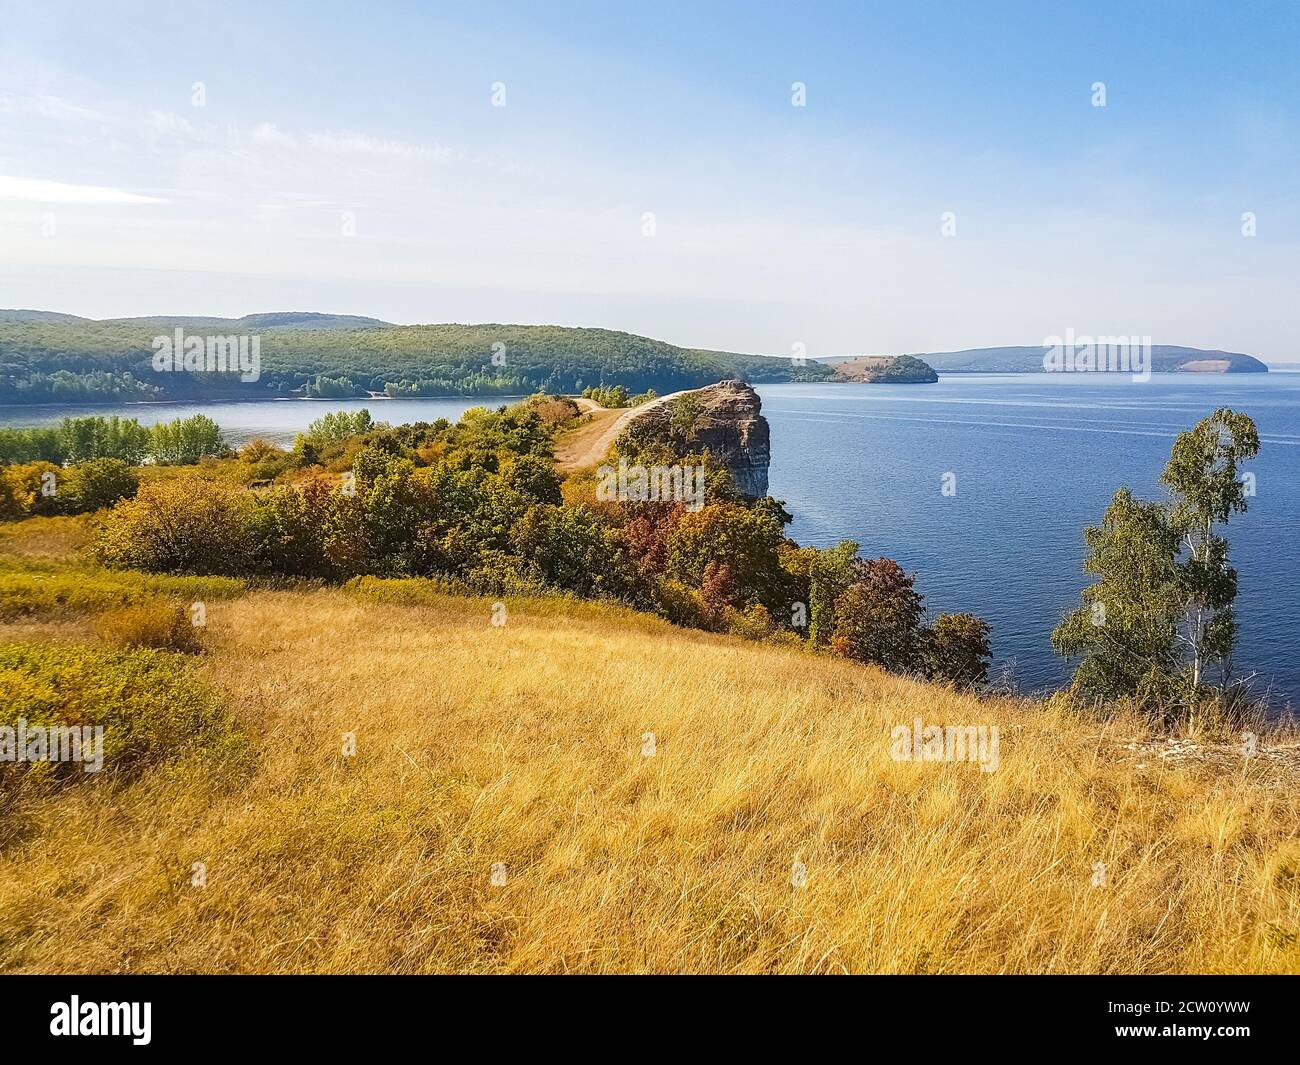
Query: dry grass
[523,744]
[158,623]
[43,539]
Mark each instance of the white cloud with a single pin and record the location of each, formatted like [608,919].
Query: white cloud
[170,123]
[360,143]
[346,142]
[35,190]
[269,133]
[45,107]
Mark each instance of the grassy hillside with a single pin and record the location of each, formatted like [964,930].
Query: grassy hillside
[83,361]
[524,745]
[886,369]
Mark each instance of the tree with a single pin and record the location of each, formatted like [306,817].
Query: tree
[1202,473]
[879,618]
[570,548]
[1125,628]
[684,415]
[747,541]
[1161,610]
[97,484]
[186,440]
[957,650]
[338,425]
[830,573]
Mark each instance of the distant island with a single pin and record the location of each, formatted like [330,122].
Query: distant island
[885,369]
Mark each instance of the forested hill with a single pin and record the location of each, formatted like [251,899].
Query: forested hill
[46,358]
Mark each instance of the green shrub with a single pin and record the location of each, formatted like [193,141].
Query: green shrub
[150,704]
[183,525]
[957,650]
[97,484]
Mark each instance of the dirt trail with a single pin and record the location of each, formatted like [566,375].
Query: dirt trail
[588,444]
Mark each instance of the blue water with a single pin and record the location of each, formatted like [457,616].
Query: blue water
[1036,458]
[276,420]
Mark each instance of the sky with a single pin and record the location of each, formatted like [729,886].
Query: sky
[945,179]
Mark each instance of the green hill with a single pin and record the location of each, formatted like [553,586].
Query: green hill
[56,361]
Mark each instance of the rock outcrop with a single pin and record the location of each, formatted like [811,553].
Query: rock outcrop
[725,419]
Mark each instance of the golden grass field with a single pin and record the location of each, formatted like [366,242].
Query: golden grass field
[522,745]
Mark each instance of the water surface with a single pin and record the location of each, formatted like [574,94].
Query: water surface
[1036,458]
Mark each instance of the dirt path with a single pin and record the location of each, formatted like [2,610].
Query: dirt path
[588,444]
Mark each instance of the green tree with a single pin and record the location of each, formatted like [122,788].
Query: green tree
[97,484]
[683,417]
[186,440]
[957,650]
[1203,476]
[831,572]
[1161,611]
[1126,625]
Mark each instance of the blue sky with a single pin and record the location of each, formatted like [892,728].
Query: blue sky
[349,158]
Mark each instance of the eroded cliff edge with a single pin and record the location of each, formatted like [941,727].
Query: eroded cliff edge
[726,419]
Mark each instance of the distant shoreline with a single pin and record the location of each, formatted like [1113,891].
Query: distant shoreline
[379,398]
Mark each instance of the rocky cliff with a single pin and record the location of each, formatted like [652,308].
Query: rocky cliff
[725,419]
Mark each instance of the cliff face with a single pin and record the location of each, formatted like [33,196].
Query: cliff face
[727,422]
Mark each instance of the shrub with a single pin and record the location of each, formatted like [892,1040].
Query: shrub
[258,450]
[158,623]
[183,525]
[150,704]
[752,624]
[555,411]
[97,484]
[291,524]
[261,460]
[30,489]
